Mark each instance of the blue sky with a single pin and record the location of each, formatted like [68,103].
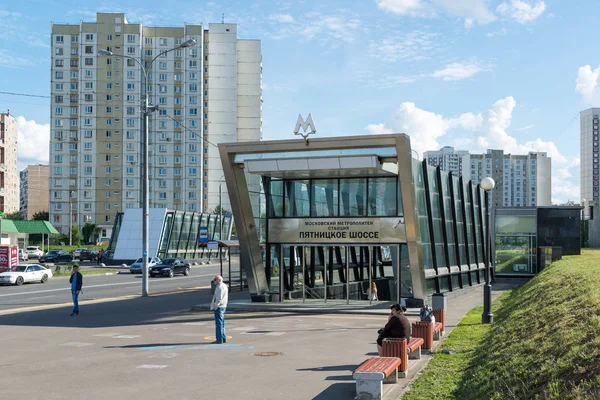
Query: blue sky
[474,74]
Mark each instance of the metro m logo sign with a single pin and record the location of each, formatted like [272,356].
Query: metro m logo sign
[305,125]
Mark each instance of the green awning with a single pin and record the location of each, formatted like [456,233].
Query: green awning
[8,226]
[24,226]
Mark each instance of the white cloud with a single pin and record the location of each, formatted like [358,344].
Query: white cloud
[521,11]
[472,11]
[413,8]
[10,61]
[326,29]
[587,83]
[457,71]
[283,18]
[476,131]
[412,46]
[33,142]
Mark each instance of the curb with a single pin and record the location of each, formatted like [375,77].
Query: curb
[301,310]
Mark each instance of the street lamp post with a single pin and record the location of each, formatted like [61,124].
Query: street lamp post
[487,317]
[146,110]
[71,194]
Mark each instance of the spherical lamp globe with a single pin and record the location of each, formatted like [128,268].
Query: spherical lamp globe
[488,184]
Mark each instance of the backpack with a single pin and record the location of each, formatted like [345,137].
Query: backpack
[426,314]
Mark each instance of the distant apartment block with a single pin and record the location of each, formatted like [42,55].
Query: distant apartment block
[208,93]
[33,190]
[9,176]
[447,158]
[521,180]
[589,169]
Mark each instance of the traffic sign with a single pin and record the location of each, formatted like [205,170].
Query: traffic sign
[203,238]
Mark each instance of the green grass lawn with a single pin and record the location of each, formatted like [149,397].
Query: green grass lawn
[544,342]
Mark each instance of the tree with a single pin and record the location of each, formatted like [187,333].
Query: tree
[14,216]
[41,216]
[77,237]
[88,231]
[217,210]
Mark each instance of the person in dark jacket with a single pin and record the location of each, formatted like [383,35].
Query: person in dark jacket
[76,281]
[398,326]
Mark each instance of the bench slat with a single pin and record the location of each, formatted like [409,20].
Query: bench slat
[386,365]
[415,343]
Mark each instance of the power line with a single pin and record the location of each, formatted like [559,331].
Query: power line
[26,95]
[189,130]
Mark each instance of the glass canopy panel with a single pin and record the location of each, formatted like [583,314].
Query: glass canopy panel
[378,151]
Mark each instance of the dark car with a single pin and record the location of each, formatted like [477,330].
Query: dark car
[56,256]
[87,254]
[171,266]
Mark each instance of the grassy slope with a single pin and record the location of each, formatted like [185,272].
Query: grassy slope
[544,343]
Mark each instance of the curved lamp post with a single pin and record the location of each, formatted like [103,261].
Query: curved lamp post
[487,317]
[146,110]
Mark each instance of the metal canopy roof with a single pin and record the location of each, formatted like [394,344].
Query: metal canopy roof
[25,226]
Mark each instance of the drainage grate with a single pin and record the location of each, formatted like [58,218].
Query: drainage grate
[268,354]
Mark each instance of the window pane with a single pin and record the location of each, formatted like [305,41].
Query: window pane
[353,197]
[382,196]
[325,198]
[421,205]
[297,202]
[276,199]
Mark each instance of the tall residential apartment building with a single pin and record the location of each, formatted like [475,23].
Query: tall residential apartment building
[589,169]
[447,158]
[205,94]
[9,175]
[33,190]
[521,180]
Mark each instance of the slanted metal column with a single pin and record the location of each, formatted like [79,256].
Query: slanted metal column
[347,277]
[303,275]
[370,250]
[325,272]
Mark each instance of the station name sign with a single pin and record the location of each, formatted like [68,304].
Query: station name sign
[337,230]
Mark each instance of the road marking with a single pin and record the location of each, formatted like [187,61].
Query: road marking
[77,344]
[41,297]
[81,302]
[275,333]
[151,366]
[163,355]
[194,323]
[68,289]
[108,334]
[213,338]
[126,337]
[244,328]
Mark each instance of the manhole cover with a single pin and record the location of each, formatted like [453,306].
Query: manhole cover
[268,354]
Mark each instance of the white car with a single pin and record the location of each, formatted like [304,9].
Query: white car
[77,253]
[136,267]
[34,252]
[25,273]
[23,255]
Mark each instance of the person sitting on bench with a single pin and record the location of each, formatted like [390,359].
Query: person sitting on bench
[398,326]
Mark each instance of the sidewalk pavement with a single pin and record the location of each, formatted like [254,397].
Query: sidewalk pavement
[457,309]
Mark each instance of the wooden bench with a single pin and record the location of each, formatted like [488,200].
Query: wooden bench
[372,374]
[392,347]
[428,331]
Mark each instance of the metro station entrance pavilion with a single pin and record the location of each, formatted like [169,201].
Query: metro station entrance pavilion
[333,215]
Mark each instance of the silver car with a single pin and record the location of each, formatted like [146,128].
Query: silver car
[136,267]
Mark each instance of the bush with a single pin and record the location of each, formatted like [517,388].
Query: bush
[57,270]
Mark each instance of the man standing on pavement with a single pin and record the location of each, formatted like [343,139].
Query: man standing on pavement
[76,281]
[218,305]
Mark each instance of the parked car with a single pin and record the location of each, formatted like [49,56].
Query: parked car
[23,255]
[25,273]
[87,254]
[136,267]
[171,266]
[34,252]
[77,252]
[56,256]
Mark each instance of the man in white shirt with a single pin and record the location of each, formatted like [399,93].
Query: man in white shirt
[218,305]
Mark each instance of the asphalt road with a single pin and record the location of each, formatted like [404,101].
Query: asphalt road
[57,290]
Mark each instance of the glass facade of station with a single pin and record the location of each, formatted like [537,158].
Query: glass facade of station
[328,213]
[180,234]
